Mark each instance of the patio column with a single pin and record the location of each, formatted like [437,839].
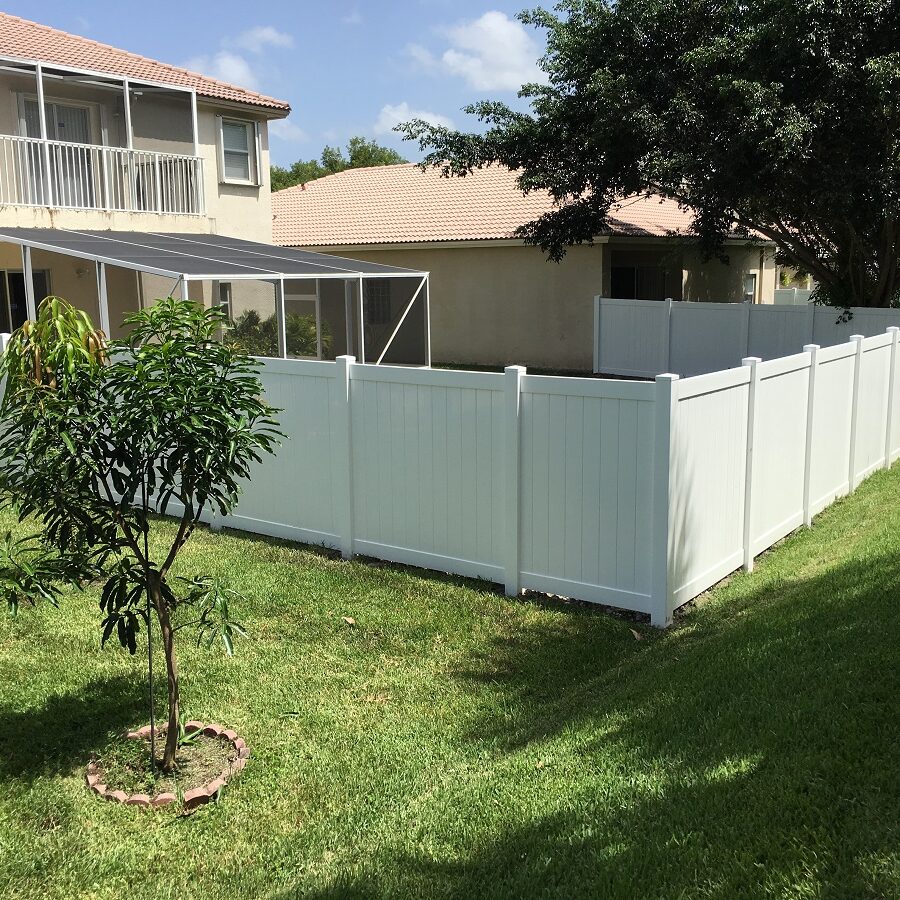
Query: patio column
[194,127]
[45,147]
[30,305]
[129,135]
[102,299]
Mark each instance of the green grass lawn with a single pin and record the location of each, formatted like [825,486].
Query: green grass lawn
[456,743]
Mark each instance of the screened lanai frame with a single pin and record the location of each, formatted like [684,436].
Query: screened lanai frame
[190,257]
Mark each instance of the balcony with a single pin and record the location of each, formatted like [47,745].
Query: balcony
[66,175]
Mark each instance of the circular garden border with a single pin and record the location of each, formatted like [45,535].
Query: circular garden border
[192,798]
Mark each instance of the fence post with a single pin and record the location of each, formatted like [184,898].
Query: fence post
[854,412]
[813,351]
[893,331]
[662,578]
[596,334]
[344,455]
[753,362]
[512,415]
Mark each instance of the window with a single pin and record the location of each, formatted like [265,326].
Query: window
[225,299]
[237,152]
[638,283]
[378,301]
[749,288]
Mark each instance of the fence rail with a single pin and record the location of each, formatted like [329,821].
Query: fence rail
[66,175]
[642,338]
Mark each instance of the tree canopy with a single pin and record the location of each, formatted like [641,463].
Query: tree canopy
[776,118]
[360,154]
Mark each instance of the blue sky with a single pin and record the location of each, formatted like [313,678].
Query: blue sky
[346,67]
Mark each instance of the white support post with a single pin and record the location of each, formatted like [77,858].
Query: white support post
[280,318]
[813,351]
[28,276]
[42,118]
[195,131]
[597,334]
[348,317]
[102,298]
[183,292]
[362,326]
[894,332]
[662,574]
[428,321]
[344,455]
[854,412]
[753,362]
[318,320]
[512,415]
[129,133]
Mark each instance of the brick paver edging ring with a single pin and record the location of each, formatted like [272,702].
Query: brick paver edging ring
[192,798]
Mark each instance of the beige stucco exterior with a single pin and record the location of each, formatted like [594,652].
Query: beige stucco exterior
[503,303]
[161,122]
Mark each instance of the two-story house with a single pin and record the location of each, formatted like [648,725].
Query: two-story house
[124,179]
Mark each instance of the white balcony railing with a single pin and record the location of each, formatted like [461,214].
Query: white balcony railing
[86,176]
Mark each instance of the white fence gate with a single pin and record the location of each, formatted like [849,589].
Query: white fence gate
[642,338]
[639,495]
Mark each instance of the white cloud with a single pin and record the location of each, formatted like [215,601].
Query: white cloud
[492,53]
[286,130]
[352,18]
[226,66]
[392,115]
[260,37]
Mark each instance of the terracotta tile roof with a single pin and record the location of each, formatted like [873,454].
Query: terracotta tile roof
[22,39]
[403,204]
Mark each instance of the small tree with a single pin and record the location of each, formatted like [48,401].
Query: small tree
[96,438]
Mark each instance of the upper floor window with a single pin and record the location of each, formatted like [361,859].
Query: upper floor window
[238,151]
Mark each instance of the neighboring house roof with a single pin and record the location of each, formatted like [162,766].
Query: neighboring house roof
[22,39]
[401,204]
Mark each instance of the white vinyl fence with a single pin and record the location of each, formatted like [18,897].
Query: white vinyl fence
[643,338]
[792,296]
[639,495]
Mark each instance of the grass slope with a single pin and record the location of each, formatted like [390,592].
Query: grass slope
[456,743]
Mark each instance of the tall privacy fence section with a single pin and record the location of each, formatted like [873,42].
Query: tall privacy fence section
[641,338]
[639,495]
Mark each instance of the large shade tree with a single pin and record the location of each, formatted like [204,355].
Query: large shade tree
[778,118]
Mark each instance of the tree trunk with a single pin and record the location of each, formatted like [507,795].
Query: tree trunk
[168,641]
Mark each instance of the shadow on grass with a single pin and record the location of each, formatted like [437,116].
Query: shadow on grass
[747,754]
[61,735]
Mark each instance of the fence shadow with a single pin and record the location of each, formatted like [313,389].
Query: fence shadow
[60,735]
[760,717]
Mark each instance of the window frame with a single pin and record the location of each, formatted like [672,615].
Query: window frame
[251,129]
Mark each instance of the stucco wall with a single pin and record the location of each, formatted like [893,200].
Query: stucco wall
[502,305]
[494,305]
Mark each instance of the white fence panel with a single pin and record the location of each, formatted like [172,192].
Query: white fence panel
[777,331]
[632,337]
[706,337]
[779,450]
[587,457]
[832,412]
[428,468]
[292,495]
[643,338]
[708,467]
[792,296]
[872,413]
